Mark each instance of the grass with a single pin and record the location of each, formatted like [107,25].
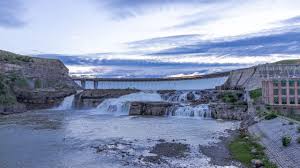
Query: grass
[14,58]
[291,61]
[7,84]
[255,94]
[241,147]
[232,97]
[270,116]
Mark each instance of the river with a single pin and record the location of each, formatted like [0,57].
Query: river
[108,137]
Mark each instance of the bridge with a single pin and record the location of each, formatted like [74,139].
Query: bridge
[189,82]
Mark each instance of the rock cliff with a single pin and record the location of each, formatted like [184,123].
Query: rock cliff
[28,82]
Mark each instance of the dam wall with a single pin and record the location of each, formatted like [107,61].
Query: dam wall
[251,78]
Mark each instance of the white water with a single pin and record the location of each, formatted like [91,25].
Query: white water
[200,111]
[66,104]
[181,96]
[121,105]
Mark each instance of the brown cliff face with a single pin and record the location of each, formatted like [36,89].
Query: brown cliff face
[34,82]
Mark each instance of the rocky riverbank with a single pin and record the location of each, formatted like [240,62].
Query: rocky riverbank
[219,152]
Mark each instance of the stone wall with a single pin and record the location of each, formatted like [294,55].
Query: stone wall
[288,111]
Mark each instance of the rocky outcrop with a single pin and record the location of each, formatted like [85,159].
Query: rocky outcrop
[92,98]
[228,111]
[12,108]
[33,82]
[149,108]
[42,99]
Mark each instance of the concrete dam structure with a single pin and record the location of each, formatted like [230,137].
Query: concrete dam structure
[151,84]
[251,78]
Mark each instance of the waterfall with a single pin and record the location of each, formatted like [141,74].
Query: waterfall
[66,104]
[201,111]
[121,105]
[182,96]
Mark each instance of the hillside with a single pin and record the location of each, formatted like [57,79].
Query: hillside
[291,61]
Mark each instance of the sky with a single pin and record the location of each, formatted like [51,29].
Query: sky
[118,37]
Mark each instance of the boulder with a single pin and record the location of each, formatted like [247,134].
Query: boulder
[228,111]
[149,108]
[13,108]
[257,163]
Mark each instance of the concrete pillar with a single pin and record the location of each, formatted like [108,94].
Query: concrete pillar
[95,84]
[83,84]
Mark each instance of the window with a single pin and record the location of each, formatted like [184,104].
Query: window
[298,91]
[298,100]
[276,100]
[275,83]
[292,100]
[283,100]
[283,83]
[275,91]
[292,83]
[292,91]
[283,91]
[298,82]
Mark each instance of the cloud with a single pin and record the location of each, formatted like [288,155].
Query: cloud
[293,20]
[123,9]
[262,44]
[10,13]
[160,43]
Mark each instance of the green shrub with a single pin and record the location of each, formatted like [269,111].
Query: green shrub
[286,140]
[270,116]
[255,94]
[6,97]
[229,97]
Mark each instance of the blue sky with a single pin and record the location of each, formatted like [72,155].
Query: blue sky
[159,33]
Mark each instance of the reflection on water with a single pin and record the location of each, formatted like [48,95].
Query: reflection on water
[58,138]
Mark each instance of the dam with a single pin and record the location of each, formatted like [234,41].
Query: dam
[151,84]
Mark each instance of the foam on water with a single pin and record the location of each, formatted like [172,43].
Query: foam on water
[66,104]
[199,111]
[121,105]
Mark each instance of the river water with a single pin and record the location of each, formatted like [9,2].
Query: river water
[64,137]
